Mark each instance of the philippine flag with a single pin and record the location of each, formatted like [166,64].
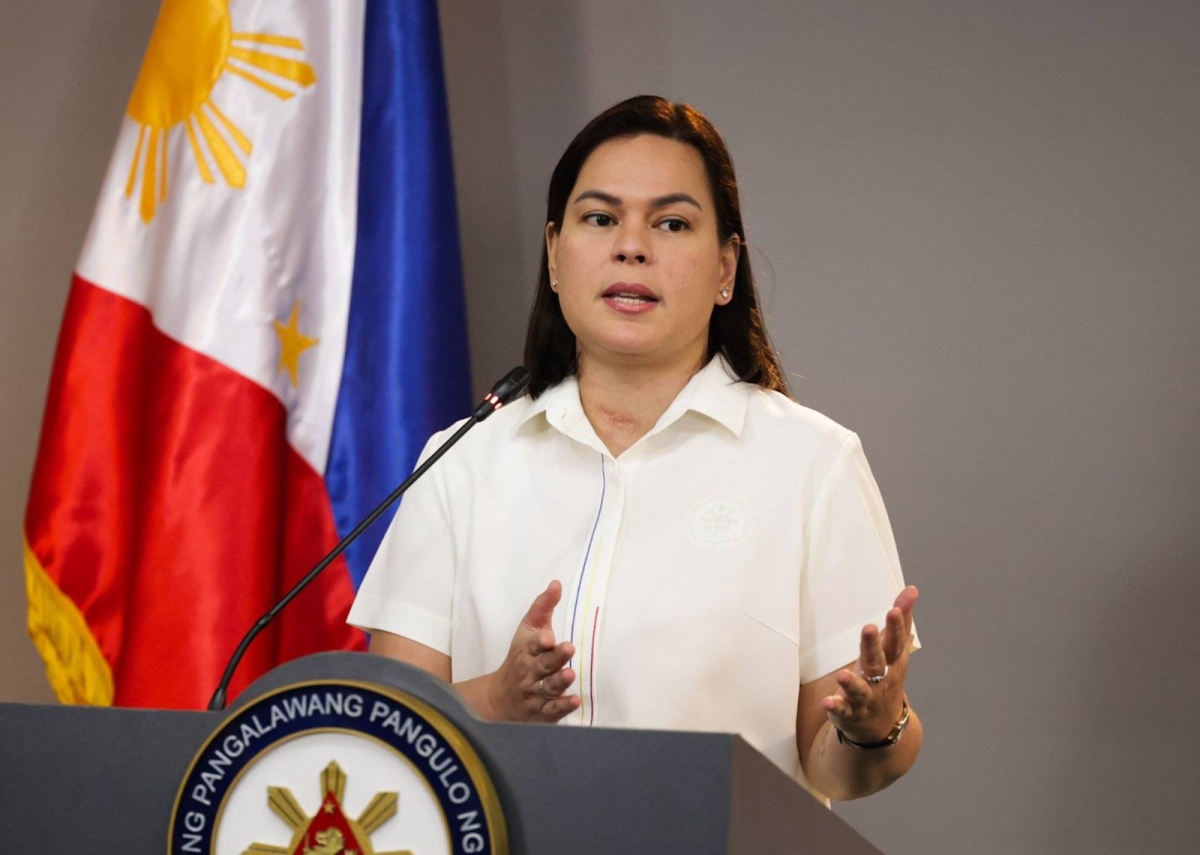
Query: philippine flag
[264,326]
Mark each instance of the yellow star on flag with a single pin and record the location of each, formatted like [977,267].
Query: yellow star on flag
[292,343]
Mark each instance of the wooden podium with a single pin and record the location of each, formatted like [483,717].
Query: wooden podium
[85,779]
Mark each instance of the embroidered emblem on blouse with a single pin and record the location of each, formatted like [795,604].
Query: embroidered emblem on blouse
[719,520]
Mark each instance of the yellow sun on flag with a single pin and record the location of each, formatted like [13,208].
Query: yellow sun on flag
[192,46]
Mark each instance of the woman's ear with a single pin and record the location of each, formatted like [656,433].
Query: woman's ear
[551,246]
[730,253]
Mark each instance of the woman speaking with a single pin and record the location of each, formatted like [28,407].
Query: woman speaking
[658,536]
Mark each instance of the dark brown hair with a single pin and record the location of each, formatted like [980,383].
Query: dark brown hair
[736,330]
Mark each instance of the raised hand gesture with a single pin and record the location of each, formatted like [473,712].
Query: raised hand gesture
[870,699]
[530,684]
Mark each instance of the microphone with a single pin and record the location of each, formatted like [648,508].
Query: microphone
[507,389]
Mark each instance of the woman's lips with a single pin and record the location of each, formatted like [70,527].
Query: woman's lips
[630,297]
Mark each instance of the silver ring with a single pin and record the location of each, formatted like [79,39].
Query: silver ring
[541,690]
[876,679]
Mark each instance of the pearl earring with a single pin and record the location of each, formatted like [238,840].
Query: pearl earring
[553,284]
[724,293]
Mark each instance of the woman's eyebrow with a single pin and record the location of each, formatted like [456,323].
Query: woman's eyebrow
[600,195]
[672,198]
[655,203]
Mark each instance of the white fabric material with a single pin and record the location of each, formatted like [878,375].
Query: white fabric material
[731,554]
[217,265]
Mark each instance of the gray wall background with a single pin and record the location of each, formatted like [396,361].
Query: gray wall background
[976,228]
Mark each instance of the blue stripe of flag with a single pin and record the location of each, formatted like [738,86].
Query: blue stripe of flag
[406,369]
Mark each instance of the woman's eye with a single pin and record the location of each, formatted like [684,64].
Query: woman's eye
[673,224]
[599,219]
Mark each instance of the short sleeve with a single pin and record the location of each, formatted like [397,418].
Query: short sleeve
[851,573]
[409,587]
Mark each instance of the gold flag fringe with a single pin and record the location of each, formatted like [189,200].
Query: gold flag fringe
[77,670]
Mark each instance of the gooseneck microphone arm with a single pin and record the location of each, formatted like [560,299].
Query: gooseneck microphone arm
[506,390]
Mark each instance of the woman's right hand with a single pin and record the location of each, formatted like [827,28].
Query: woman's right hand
[530,685]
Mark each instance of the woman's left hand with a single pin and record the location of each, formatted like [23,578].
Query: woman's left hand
[866,710]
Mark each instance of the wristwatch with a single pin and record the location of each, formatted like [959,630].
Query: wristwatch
[891,739]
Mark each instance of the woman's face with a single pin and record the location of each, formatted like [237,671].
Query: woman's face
[637,258]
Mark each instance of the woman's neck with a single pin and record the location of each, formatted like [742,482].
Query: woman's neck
[623,402]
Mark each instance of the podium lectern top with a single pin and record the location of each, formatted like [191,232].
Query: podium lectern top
[105,780]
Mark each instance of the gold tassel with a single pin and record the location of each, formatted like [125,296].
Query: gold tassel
[77,670]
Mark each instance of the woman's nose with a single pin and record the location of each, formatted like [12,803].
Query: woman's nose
[632,244]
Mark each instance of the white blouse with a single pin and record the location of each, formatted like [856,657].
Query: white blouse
[731,554]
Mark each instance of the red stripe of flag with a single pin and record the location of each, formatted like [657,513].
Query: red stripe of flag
[168,505]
